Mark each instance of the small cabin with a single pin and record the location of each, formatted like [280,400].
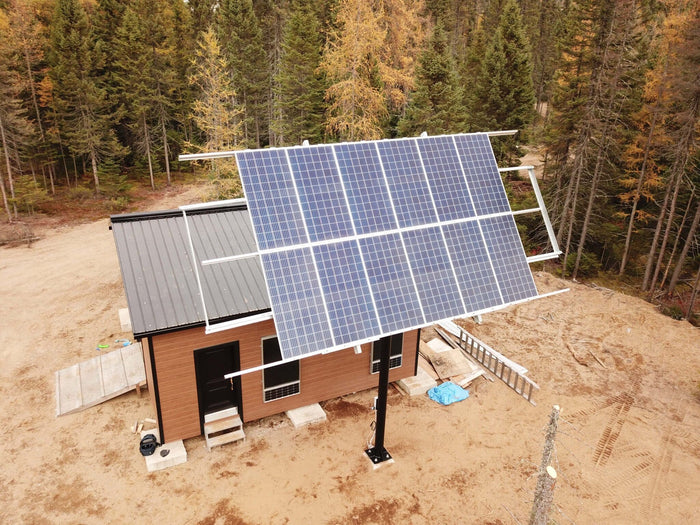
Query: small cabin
[173,298]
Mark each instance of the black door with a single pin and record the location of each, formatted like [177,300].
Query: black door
[216,393]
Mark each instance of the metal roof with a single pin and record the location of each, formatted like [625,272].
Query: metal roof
[158,273]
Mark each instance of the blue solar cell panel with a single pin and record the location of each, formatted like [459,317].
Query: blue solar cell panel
[320,192]
[472,266]
[271,197]
[297,304]
[407,184]
[432,271]
[390,278]
[509,262]
[482,173]
[446,178]
[347,294]
[365,186]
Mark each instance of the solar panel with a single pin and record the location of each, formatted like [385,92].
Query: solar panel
[482,173]
[272,199]
[509,262]
[321,194]
[366,189]
[362,240]
[295,294]
[447,182]
[348,299]
[391,281]
[409,190]
[435,280]
[470,257]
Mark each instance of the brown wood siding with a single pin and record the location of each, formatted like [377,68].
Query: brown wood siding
[322,377]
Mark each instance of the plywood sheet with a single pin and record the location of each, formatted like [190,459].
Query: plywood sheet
[96,380]
[447,362]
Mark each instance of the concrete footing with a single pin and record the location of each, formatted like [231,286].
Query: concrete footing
[166,455]
[306,415]
[418,384]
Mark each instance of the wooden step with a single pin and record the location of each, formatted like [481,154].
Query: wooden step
[222,439]
[221,414]
[222,424]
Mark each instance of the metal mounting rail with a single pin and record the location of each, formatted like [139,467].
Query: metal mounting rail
[483,354]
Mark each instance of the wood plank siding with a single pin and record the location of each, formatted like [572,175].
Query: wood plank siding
[322,377]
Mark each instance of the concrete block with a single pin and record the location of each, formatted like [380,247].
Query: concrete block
[124,319]
[159,460]
[418,384]
[306,415]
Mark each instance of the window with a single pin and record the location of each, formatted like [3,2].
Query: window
[278,381]
[395,343]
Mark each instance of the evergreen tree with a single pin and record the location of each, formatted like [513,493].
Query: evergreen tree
[405,37]
[14,126]
[504,95]
[351,61]
[436,105]
[300,86]
[240,35]
[147,76]
[215,111]
[27,37]
[82,105]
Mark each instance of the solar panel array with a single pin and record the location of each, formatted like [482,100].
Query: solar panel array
[361,240]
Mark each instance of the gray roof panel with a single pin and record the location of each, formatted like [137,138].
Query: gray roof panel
[158,272]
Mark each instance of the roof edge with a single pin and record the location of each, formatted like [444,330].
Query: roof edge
[166,214]
[160,331]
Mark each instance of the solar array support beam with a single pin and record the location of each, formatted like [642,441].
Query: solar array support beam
[378,454]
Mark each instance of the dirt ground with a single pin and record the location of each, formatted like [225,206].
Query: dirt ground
[628,449]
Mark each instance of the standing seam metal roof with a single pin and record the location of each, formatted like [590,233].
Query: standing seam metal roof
[158,272]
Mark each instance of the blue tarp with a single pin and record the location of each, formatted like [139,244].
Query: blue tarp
[448,393]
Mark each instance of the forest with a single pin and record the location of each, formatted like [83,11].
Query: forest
[97,96]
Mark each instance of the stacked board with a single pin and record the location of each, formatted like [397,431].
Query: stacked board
[366,239]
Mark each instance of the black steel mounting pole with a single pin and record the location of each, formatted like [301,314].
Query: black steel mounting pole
[378,453]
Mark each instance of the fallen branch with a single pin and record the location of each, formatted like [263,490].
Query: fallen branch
[596,358]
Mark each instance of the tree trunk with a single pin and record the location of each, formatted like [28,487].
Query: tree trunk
[8,165]
[166,150]
[545,480]
[681,157]
[693,296]
[684,253]
[657,234]
[93,160]
[642,173]
[147,138]
[4,199]
[667,233]
[677,241]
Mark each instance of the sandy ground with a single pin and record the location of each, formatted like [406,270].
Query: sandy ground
[628,449]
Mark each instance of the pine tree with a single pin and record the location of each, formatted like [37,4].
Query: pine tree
[29,41]
[405,37]
[215,111]
[240,35]
[357,104]
[82,105]
[437,104]
[15,129]
[300,86]
[147,76]
[504,95]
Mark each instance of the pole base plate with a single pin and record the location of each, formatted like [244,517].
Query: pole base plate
[378,455]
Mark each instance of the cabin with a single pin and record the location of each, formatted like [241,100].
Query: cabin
[173,298]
